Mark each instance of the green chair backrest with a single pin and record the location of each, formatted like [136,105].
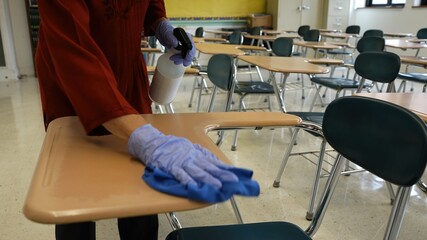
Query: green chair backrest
[152,41]
[221,71]
[378,66]
[353,29]
[303,29]
[236,37]
[373,33]
[370,44]
[422,33]
[312,35]
[383,138]
[199,32]
[282,46]
[255,31]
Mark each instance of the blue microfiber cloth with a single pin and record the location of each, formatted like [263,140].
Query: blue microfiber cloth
[164,182]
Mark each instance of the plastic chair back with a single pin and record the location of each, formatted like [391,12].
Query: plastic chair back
[373,33]
[312,35]
[378,66]
[383,138]
[236,37]
[282,46]
[221,71]
[370,44]
[152,41]
[353,29]
[255,31]
[303,29]
[199,32]
[422,33]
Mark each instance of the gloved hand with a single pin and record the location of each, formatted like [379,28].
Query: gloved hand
[164,33]
[187,162]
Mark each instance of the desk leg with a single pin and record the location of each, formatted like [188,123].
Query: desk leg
[422,186]
[169,108]
[173,220]
[278,92]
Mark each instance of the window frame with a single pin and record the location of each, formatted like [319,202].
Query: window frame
[388,4]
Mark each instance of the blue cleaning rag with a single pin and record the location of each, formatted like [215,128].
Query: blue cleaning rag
[164,182]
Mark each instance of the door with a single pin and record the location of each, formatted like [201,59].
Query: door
[8,66]
[293,13]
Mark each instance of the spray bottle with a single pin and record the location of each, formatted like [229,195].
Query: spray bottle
[168,75]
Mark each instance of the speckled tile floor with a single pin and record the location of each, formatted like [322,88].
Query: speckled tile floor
[359,208]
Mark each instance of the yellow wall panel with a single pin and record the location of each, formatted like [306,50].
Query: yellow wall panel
[214,8]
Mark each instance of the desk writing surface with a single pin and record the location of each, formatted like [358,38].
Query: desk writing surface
[339,35]
[404,44]
[416,102]
[151,50]
[285,64]
[219,49]
[187,70]
[317,45]
[276,32]
[414,60]
[271,37]
[208,39]
[399,35]
[230,49]
[82,178]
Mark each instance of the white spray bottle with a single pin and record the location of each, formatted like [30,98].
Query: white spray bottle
[168,75]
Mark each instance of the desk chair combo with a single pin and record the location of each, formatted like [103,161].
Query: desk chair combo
[415,77]
[312,35]
[309,35]
[339,84]
[283,47]
[345,51]
[359,130]
[302,31]
[375,66]
[222,73]
[256,31]
[200,32]
[236,37]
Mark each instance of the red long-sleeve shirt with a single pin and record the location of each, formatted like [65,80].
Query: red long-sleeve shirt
[89,61]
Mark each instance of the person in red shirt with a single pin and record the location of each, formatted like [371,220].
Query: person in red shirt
[89,65]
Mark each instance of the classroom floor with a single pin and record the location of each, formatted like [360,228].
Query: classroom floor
[359,208]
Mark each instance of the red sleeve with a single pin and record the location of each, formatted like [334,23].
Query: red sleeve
[156,10]
[81,69]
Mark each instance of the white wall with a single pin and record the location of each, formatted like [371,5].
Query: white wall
[398,20]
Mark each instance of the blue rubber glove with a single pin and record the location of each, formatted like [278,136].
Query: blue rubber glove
[189,163]
[164,33]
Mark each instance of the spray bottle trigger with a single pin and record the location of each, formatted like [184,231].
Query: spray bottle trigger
[184,44]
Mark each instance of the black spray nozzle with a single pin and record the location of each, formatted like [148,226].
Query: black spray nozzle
[184,43]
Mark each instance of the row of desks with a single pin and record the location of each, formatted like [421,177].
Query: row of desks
[101,180]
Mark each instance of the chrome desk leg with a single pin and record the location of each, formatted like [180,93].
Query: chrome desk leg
[169,108]
[173,220]
[396,217]
[236,210]
[422,186]
[310,211]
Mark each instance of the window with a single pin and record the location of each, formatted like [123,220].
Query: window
[374,3]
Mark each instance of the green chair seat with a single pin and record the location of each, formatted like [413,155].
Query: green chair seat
[414,77]
[313,117]
[253,231]
[254,88]
[337,83]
